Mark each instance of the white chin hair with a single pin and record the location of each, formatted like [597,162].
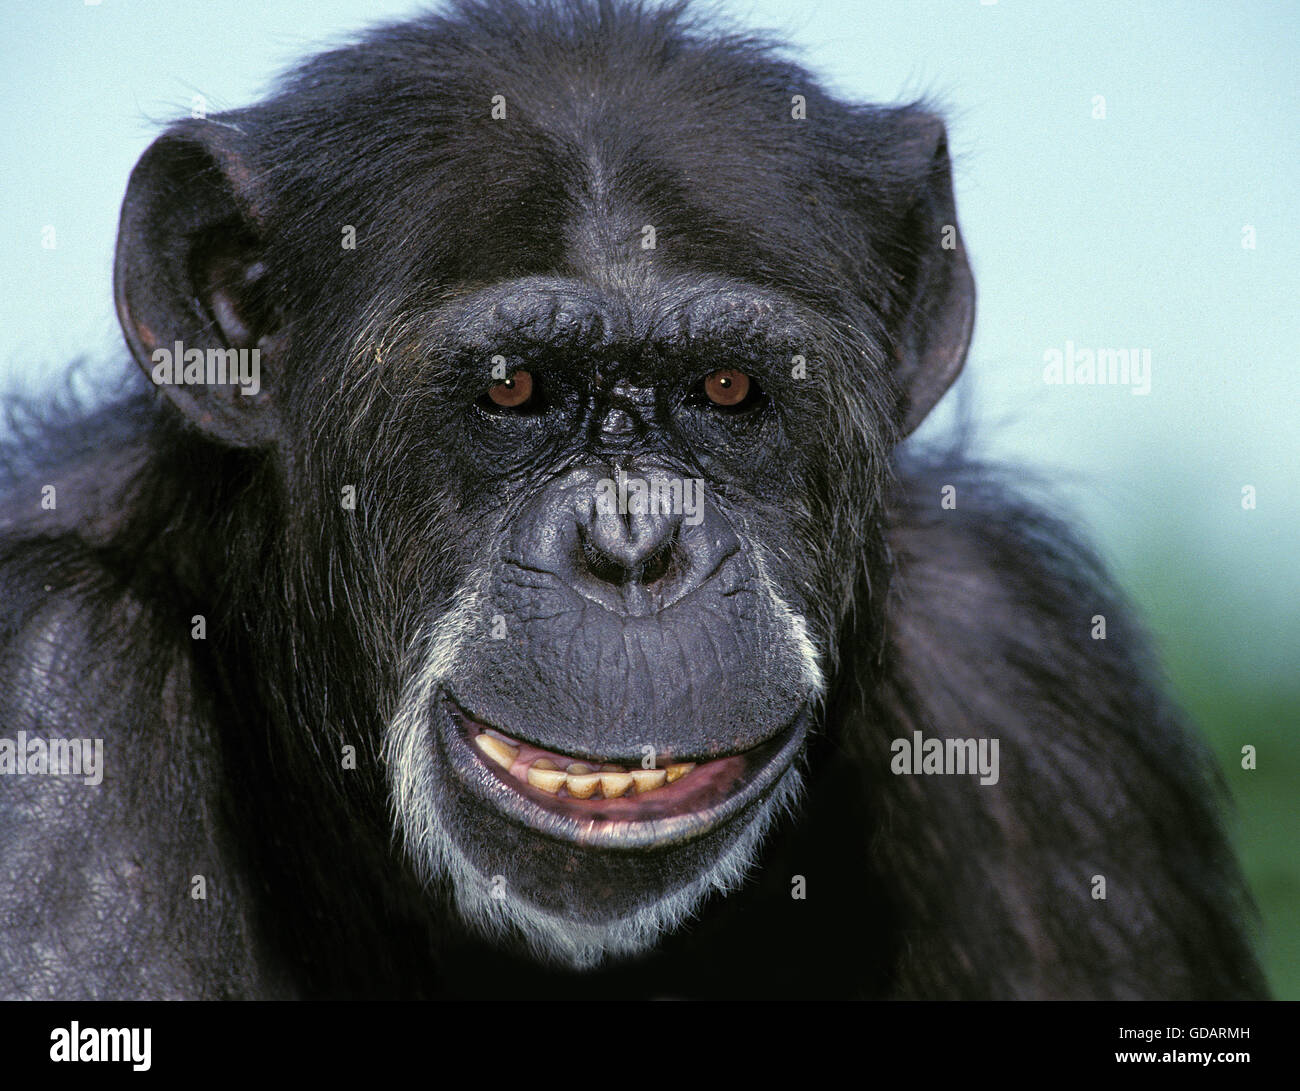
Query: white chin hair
[486,902]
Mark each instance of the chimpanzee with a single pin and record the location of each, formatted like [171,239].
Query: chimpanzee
[506,577]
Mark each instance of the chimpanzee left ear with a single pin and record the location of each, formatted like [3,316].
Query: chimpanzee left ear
[936,312]
[192,292]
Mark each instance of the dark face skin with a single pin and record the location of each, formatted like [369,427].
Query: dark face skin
[652,638]
[648,639]
[655,621]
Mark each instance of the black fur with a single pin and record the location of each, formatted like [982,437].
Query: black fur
[223,754]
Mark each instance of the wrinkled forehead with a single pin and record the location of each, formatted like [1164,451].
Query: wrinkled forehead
[601,310]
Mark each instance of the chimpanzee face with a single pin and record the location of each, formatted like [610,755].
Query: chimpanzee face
[609,709]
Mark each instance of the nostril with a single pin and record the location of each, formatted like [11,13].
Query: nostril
[656,566]
[600,564]
[630,565]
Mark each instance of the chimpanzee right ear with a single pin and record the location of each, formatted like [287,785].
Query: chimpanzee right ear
[191,288]
[936,289]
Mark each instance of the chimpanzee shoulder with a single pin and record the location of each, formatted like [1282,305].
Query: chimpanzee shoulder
[1003,623]
[96,865]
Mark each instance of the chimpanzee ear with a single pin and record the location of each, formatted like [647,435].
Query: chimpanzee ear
[191,289]
[937,307]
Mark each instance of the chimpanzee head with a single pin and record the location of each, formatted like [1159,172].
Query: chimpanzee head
[581,355]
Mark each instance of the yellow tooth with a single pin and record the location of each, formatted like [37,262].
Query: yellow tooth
[615,784]
[501,753]
[647,780]
[676,772]
[543,774]
[583,785]
[578,769]
[612,769]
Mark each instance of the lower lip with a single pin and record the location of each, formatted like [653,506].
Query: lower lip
[712,793]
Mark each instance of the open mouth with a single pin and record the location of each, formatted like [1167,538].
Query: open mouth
[607,804]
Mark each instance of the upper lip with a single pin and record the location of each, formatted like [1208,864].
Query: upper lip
[770,761]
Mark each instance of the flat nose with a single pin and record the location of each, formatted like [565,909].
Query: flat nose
[634,547]
[634,542]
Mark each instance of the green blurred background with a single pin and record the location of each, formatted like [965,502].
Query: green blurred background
[1122,230]
[1235,704]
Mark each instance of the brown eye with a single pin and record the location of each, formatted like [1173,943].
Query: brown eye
[727,387]
[512,392]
